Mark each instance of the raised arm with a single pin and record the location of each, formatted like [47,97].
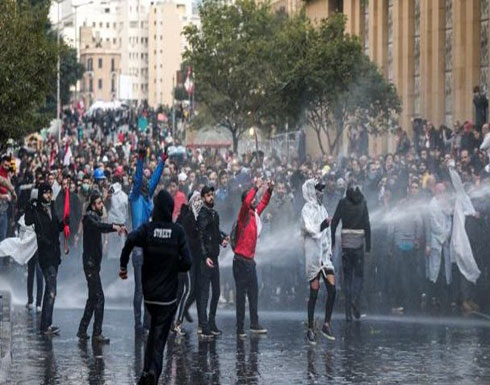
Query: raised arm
[265,199]
[137,180]
[156,176]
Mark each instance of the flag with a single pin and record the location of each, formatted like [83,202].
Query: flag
[189,82]
[68,154]
[66,214]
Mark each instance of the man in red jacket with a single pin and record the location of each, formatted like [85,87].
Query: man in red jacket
[244,272]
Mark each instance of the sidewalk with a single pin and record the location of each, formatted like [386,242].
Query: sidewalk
[5,335]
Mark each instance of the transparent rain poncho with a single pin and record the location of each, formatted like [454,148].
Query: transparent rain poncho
[317,244]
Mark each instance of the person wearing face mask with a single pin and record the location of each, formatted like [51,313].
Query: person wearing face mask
[118,212]
[47,226]
[355,236]
[317,245]
[93,228]
[248,228]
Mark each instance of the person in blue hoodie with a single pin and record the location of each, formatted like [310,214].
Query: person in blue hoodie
[141,203]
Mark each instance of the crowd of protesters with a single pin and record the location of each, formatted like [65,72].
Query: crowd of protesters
[112,151]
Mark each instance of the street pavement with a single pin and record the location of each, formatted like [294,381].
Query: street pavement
[378,350]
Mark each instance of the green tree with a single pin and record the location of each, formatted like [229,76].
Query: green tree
[343,85]
[234,57]
[27,66]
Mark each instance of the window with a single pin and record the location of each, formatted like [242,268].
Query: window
[100,84]
[100,62]
[91,85]
[90,64]
[114,41]
[113,64]
[93,25]
[113,84]
[133,24]
[108,25]
[101,25]
[115,25]
[107,10]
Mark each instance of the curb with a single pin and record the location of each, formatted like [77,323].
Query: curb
[5,335]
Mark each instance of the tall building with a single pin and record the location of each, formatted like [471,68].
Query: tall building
[133,39]
[101,61]
[166,46]
[434,51]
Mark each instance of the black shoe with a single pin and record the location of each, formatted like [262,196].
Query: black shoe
[356,311]
[327,332]
[240,333]
[215,331]
[188,317]
[147,378]
[311,337]
[51,331]
[257,329]
[206,334]
[83,336]
[99,338]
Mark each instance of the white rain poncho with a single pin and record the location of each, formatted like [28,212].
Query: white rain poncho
[21,248]
[440,234]
[461,252]
[118,213]
[317,244]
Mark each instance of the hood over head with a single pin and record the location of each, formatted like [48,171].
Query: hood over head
[354,193]
[163,207]
[309,193]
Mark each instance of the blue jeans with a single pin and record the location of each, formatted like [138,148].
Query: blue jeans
[137,260]
[50,273]
[3,225]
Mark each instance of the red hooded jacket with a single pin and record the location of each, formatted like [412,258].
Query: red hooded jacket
[247,237]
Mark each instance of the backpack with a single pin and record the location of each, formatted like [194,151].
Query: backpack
[234,236]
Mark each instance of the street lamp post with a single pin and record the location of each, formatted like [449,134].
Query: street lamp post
[58,77]
[77,42]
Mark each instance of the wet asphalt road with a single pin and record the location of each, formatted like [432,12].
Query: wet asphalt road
[379,350]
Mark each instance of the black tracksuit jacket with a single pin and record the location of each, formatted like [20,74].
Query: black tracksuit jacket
[92,239]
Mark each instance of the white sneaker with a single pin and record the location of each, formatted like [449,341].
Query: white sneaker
[38,309]
[29,306]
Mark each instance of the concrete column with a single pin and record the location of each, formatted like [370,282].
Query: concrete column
[378,34]
[403,57]
[432,52]
[354,10]
[466,56]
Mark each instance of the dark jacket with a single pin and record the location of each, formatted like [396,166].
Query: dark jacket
[165,252]
[353,212]
[187,220]
[47,232]
[210,235]
[92,239]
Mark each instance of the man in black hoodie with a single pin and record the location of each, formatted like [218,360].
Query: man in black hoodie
[356,233]
[211,237]
[47,226]
[165,254]
[92,257]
